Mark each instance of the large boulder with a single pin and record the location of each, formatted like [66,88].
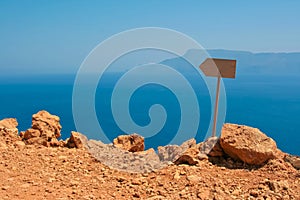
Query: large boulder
[45,130]
[247,144]
[132,143]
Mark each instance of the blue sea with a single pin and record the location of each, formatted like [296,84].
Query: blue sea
[271,104]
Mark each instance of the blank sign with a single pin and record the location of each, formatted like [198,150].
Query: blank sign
[219,67]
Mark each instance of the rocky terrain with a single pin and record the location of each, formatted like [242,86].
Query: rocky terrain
[242,164]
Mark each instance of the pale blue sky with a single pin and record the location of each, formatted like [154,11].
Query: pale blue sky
[59,34]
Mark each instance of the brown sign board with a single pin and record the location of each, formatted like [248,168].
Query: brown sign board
[219,67]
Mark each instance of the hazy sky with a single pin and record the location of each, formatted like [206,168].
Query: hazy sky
[61,33]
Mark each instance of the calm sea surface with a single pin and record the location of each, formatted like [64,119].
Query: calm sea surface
[271,104]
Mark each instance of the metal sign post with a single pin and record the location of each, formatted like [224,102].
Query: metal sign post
[221,68]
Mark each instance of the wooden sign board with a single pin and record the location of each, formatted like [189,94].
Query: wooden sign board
[219,67]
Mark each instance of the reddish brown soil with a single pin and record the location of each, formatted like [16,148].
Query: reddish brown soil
[37,172]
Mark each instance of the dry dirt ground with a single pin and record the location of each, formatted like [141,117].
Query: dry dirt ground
[38,172]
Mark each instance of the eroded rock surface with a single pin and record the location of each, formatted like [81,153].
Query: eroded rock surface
[77,140]
[124,160]
[8,131]
[9,123]
[48,125]
[132,143]
[212,147]
[190,157]
[293,160]
[45,130]
[171,153]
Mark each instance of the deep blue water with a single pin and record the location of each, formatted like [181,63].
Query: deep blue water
[271,104]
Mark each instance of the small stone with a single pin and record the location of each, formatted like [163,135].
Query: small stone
[202,156]
[177,175]
[50,180]
[254,193]
[64,158]
[20,144]
[25,185]
[22,133]
[136,182]
[204,195]
[136,195]
[182,172]
[193,178]
[5,187]
[31,133]
[121,179]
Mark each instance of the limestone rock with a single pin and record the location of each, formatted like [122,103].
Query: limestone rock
[148,151]
[37,140]
[9,123]
[77,140]
[188,144]
[9,130]
[45,130]
[47,124]
[132,143]
[169,153]
[55,143]
[31,133]
[9,126]
[19,144]
[21,134]
[247,144]
[190,156]
[294,160]
[212,147]
[2,145]
[202,156]
[118,158]
[193,179]
[62,143]
[96,143]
